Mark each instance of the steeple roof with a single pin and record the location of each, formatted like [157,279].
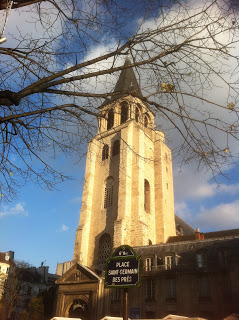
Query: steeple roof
[127,82]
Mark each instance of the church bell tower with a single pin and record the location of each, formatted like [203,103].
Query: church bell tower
[128,192]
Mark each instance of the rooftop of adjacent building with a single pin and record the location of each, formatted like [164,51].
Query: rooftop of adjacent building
[214,247]
[28,272]
[197,235]
[182,227]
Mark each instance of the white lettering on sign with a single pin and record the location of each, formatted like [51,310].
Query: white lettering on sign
[122,253]
[122,271]
[113,272]
[128,271]
[123,264]
[126,279]
[116,279]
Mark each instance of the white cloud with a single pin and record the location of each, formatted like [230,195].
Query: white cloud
[64,228]
[24,22]
[182,210]
[195,186]
[192,188]
[18,210]
[216,91]
[221,217]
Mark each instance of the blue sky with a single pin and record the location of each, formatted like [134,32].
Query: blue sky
[40,225]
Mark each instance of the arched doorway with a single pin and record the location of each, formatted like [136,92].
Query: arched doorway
[79,309]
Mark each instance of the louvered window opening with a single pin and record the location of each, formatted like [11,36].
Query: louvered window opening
[110,121]
[124,112]
[105,152]
[116,148]
[104,248]
[146,196]
[108,197]
[137,114]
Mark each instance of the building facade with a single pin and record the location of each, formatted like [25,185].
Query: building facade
[128,199]
[19,284]
[6,262]
[128,190]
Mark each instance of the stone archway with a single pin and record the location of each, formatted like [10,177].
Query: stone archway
[79,309]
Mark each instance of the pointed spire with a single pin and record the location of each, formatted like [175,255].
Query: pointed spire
[127,82]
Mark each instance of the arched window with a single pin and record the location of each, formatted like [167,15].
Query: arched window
[116,148]
[137,114]
[124,112]
[110,121]
[146,121]
[105,248]
[109,190]
[105,152]
[146,196]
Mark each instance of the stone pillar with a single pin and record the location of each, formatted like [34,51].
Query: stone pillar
[83,230]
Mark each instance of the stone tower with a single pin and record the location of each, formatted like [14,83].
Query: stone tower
[128,192]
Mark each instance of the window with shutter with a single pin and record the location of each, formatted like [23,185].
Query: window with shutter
[171,290]
[150,289]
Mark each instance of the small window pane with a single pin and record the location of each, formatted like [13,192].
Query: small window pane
[168,262]
[199,260]
[149,264]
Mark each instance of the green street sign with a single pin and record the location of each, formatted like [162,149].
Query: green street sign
[123,269]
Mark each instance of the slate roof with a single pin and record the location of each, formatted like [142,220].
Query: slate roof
[208,235]
[222,234]
[127,82]
[187,229]
[186,250]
